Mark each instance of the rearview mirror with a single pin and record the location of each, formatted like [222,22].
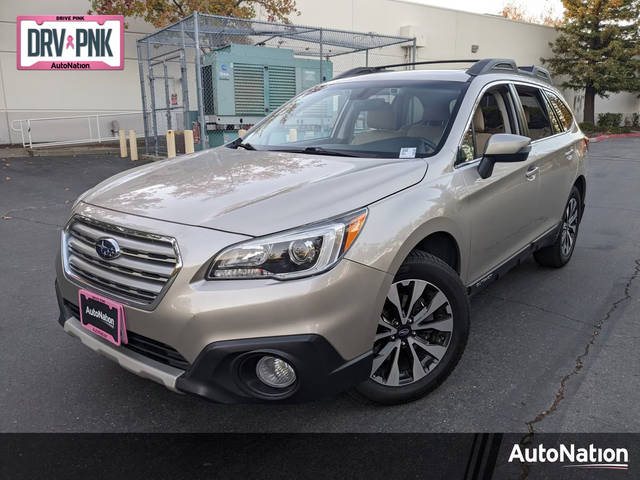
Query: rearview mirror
[503,147]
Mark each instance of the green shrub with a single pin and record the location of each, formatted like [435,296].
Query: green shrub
[616,130]
[587,127]
[609,121]
[635,119]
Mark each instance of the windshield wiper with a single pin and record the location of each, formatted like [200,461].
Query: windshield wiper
[245,145]
[321,151]
[239,143]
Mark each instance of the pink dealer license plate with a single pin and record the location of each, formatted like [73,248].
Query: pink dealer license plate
[102,316]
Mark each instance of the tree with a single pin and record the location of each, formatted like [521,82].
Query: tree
[163,12]
[597,49]
[515,11]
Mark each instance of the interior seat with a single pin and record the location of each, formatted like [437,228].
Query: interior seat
[481,136]
[535,133]
[382,123]
[433,124]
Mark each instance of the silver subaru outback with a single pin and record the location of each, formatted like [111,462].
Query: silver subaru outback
[336,244]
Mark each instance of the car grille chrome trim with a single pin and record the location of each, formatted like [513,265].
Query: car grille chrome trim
[142,273]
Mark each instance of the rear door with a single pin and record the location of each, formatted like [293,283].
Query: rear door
[561,178]
[553,152]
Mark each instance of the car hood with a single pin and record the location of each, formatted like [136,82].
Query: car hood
[253,192]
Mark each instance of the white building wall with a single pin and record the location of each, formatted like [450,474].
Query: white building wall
[447,34]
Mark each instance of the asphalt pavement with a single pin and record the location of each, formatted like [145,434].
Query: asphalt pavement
[551,350]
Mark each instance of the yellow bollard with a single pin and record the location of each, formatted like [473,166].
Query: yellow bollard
[188,141]
[123,144]
[133,145]
[171,144]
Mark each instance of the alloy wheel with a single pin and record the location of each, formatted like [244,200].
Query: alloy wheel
[569,227]
[413,335]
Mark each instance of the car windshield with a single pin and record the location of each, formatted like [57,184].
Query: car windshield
[391,119]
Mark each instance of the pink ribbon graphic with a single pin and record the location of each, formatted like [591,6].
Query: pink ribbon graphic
[69,42]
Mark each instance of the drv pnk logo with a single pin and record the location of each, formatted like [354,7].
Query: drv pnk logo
[70,42]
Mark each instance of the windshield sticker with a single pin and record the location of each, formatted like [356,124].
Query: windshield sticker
[408,152]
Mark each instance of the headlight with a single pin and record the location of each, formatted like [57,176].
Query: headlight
[293,254]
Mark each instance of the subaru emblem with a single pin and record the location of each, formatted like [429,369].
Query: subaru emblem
[107,248]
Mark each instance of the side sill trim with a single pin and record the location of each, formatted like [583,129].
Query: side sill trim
[544,240]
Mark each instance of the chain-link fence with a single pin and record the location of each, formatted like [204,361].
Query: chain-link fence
[215,75]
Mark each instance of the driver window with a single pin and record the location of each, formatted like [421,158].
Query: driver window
[490,117]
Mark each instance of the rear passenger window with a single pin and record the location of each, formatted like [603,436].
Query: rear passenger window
[535,112]
[555,122]
[563,112]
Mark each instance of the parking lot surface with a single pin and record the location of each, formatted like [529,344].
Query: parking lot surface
[551,350]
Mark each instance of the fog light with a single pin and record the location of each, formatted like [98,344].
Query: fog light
[275,372]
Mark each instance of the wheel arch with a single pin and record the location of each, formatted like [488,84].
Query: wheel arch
[581,185]
[443,245]
[440,237]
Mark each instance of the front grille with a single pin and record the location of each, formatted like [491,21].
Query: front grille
[158,351]
[139,275]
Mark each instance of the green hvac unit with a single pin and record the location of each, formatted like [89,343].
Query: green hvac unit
[243,83]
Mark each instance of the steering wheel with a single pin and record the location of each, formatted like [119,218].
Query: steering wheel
[428,143]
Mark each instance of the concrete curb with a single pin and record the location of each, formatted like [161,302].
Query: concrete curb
[614,135]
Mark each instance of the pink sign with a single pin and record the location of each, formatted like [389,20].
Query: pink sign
[70,42]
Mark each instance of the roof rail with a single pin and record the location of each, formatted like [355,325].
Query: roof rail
[479,67]
[490,65]
[354,72]
[364,70]
[536,71]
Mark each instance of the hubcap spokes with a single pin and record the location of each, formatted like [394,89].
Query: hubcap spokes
[414,332]
[569,227]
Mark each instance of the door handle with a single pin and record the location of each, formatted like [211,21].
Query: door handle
[569,153]
[532,173]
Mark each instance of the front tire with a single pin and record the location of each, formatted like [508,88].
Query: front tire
[559,253]
[422,331]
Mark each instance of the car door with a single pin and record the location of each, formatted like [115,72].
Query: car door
[559,168]
[501,209]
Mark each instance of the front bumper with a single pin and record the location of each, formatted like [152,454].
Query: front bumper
[217,373]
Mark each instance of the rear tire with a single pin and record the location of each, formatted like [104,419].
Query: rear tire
[559,253]
[422,331]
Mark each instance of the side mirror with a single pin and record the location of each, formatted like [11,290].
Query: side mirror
[503,147]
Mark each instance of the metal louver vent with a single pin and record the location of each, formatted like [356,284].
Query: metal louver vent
[249,89]
[208,86]
[282,85]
